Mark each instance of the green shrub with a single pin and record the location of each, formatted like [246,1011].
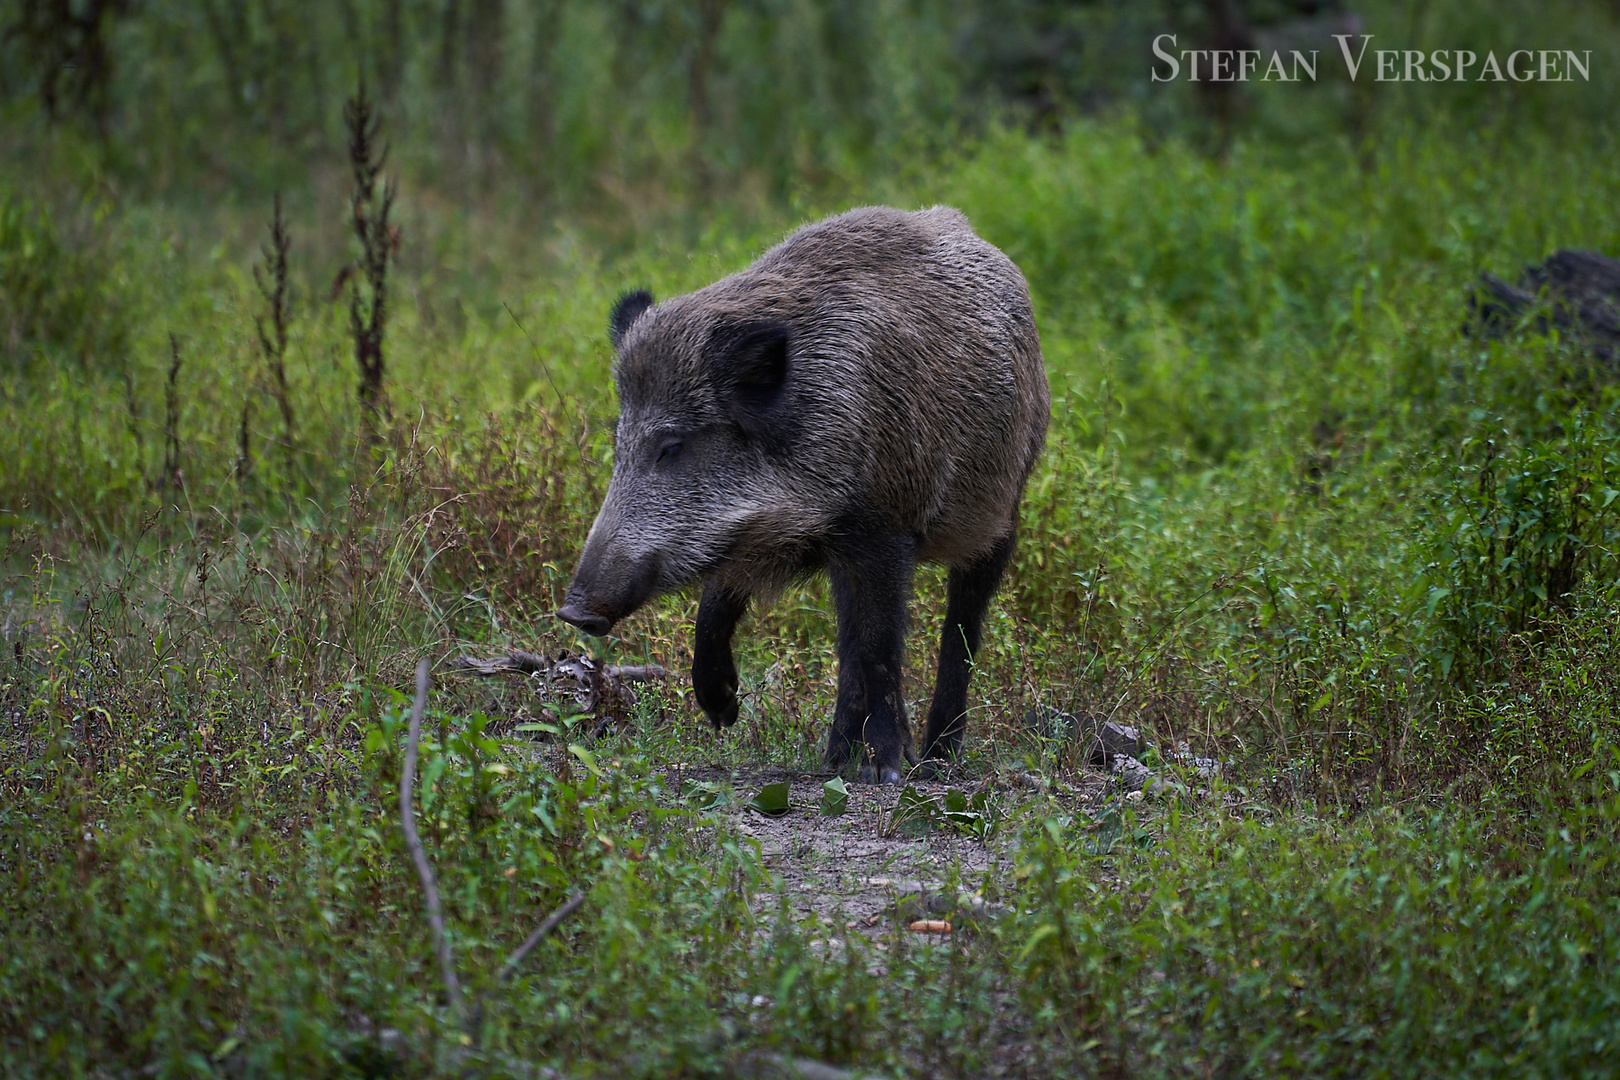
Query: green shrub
[58,301]
[1393,944]
[1518,528]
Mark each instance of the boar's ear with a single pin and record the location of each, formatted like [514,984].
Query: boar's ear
[627,311]
[749,365]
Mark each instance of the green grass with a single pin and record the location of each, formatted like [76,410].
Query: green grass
[1289,516]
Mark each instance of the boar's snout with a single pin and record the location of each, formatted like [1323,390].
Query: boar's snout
[577,614]
[609,584]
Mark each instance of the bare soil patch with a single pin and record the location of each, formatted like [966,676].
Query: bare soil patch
[870,866]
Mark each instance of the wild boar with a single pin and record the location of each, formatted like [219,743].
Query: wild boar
[869,394]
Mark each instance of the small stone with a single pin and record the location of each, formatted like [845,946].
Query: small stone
[1111,741]
[1104,740]
[1050,723]
[1202,767]
[1133,775]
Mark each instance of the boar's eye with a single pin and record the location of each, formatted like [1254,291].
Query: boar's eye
[669,451]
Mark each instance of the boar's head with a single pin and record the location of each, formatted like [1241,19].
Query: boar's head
[702,432]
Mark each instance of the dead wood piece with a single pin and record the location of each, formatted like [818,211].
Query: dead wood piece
[553,921]
[781,1067]
[523,663]
[1578,292]
[602,690]
[1135,776]
[637,672]
[1111,741]
[1103,739]
[424,870]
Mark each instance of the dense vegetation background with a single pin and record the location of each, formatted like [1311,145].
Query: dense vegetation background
[1296,513]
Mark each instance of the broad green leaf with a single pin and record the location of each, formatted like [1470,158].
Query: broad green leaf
[585,756]
[915,809]
[1042,932]
[834,797]
[772,800]
[702,794]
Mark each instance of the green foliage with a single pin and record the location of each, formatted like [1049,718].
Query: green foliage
[185,936]
[1519,526]
[834,797]
[58,301]
[1396,944]
[1290,517]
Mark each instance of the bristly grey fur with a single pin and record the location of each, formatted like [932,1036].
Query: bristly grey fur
[876,375]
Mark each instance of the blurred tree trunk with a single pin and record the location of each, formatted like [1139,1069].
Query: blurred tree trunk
[482,57]
[1227,32]
[67,44]
[541,118]
[484,23]
[449,26]
[391,59]
[711,14]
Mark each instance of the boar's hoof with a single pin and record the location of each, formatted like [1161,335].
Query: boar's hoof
[722,717]
[716,694]
[588,621]
[873,774]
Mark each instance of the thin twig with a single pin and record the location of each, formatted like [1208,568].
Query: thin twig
[545,367]
[407,819]
[553,921]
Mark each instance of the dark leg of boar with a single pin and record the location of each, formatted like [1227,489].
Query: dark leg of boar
[871,578]
[714,672]
[968,594]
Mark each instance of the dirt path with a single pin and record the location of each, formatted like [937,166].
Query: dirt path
[870,865]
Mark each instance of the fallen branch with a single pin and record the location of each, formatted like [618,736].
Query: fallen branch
[553,921]
[521,663]
[1576,291]
[602,690]
[472,1019]
[528,663]
[781,1067]
[474,1022]
[635,672]
[424,871]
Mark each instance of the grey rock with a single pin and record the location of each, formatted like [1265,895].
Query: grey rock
[1046,722]
[1105,740]
[1111,741]
[763,1066]
[1133,775]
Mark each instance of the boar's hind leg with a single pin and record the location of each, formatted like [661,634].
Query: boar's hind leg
[714,672]
[968,594]
[871,578]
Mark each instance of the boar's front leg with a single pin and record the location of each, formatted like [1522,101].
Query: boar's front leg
[714,671]
[871,578]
